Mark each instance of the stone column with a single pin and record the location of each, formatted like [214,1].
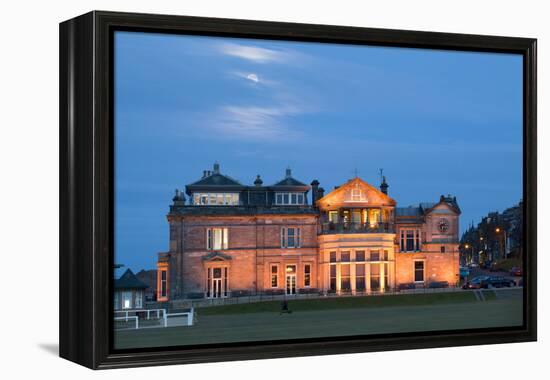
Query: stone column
[382,275]
[367,277]
[391,268]
[338,278]
[352,277]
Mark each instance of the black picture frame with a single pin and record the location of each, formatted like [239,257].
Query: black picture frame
[86,187]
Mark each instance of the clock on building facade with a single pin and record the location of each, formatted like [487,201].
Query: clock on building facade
[443,225]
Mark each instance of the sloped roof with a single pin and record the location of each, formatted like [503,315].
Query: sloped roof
[408,211]
[427,205]
[216,179]
[289,181]
[129,281]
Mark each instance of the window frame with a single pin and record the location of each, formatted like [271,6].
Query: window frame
[210,238]
[274,275]
[296,236]
[284,198]
[404,240]
[307,275]
[212,199]
[423,271]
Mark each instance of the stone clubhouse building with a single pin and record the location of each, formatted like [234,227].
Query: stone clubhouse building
[228,239]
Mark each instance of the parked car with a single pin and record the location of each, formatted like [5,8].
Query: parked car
[516,271]
[464,272]
[476,283]
[438,284]
[499,282]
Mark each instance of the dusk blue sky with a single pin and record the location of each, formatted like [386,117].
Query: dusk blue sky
[438,122]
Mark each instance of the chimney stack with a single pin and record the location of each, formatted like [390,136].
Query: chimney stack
[258,181]
[314,191]
[320,193]
[216,168]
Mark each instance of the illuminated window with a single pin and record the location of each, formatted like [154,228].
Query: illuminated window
[289,198]
[333,278]
[345,283]
[163,283]
[375,276]
[290,237]
[274,276]
[360,277]
[419,271]
[307,275]
[216,238]
[215,199]
[126,300]
[333,216]
[374,217]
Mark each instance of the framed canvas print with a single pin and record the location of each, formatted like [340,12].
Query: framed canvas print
[237,189]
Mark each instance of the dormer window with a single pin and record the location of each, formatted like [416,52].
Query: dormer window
[289,198]
[215,199]
[356,195]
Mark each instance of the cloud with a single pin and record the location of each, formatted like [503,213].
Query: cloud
[255,123]
[255,54]
[253,77]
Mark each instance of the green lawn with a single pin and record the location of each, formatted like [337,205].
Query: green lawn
[332,317]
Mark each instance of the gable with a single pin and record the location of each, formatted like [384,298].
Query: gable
[441,208]
[355,192]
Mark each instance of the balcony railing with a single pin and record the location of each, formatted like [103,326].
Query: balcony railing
[356,228]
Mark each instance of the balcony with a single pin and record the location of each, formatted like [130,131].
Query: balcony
[356,228]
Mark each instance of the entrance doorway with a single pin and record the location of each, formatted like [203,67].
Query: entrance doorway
[290,279]
[217,283]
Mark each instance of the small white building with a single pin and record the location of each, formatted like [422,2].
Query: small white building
[129,291]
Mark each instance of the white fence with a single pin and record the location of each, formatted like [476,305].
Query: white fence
[163,318]
[179,319]
[135,312]
[127,318]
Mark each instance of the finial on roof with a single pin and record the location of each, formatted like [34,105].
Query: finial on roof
[258,181]
[216,167]
[288,173]
[384,185]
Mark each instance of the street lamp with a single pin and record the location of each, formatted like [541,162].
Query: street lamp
[468,246]
[503,244]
